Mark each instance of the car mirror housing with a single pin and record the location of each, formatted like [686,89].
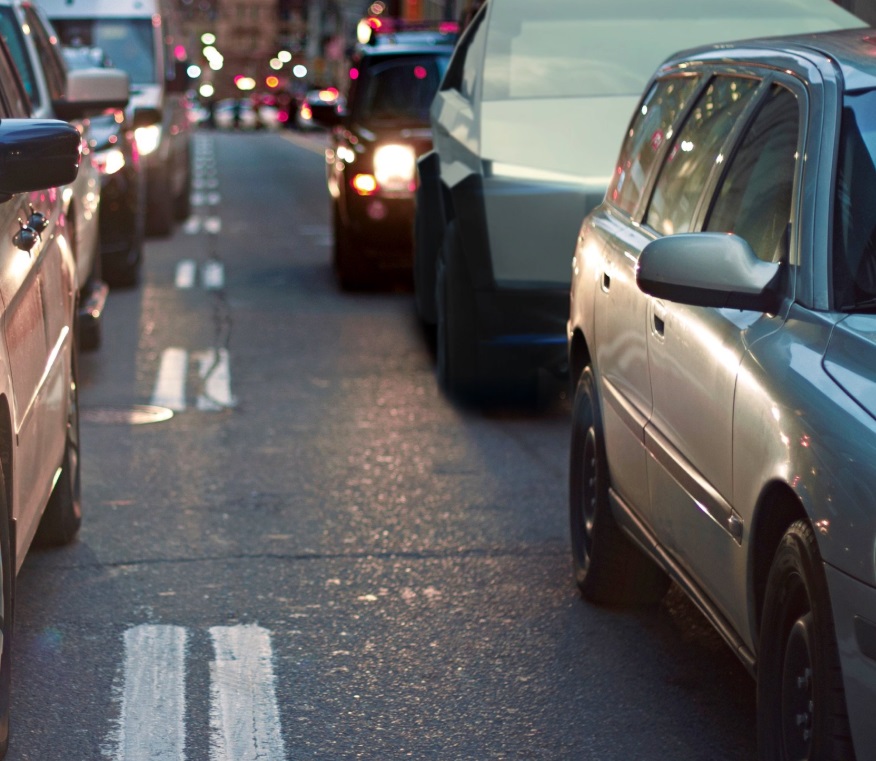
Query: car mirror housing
[36,154]
[708,269]
[92,91]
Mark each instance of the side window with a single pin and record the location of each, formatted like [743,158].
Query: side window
[465,65]
[14,105]
[754,197]
[694,153]
[49,55]
[651,127]
[13,36]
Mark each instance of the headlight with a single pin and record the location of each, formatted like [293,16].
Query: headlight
[395,167]
[147,138]
[109,161]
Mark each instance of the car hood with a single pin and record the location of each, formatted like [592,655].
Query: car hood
[850,358]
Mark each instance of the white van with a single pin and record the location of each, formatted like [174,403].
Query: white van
[526,128]
[133,36]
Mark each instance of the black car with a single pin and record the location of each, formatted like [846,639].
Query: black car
[122,184]
[375,142]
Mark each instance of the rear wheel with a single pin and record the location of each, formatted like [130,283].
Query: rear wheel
[63,515]
[608,567]
[159,203]
[800,697]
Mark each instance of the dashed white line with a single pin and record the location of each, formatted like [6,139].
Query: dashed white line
[244,716]
[170,385]
[213,275]
[186,271]
[214,368]
[152,719]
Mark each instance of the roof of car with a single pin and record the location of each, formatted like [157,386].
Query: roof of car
[853,51]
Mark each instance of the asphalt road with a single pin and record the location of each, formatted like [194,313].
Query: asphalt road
[318,556]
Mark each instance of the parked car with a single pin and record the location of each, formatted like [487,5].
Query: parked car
[371,159]
[122,183]
[721,335]
[141,39]
[39,414]
[242,113]
[525,127]
[49,86]
[322,96]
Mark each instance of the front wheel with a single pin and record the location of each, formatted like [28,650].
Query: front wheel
[608,568]
[801,707]
[63,515]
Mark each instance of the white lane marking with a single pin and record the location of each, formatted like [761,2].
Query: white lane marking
[244,716]
[152,720]
[192,225]
[213,225]
[170,385]
[214,368]
[213,275]
[213,199]
[186,270]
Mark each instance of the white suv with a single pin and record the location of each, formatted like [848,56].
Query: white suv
[525,129]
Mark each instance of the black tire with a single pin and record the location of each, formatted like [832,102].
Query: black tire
[456,324]
[7,616]
[609,569]
[159,204]
[350,271]
[63,514]
[801,707]
[183,207]
[427,242]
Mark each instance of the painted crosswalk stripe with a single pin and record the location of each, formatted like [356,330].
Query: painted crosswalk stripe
[213,225]
[215,372]
[186,270]
[244,716]
[170,385]
[152,719]
[213,275]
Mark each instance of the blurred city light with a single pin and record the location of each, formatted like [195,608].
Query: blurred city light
[300,71]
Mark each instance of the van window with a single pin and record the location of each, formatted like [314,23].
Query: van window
[128,43]
[12,35]
[49,54]
[650,129]
[695,151]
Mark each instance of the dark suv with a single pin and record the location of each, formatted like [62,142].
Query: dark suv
[376,139]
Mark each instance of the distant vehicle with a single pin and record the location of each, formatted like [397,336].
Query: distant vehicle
[375,141]
[241,113]
[323,96]
[39,416]
[122,184]
[137,38]
[525,126]
[722,335]
[34,48]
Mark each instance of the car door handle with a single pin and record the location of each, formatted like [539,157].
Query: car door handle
[658,313]
[606,282]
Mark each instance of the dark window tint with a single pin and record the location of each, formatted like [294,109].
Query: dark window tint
[399,90]
[14,104]
[467,58]
[694,152]
[13,36]
[650,129]
[854,225]
[128,44]
[754,198]
[49,53]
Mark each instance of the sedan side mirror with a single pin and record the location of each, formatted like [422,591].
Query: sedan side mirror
[36,154]
[92,91]
[708,269]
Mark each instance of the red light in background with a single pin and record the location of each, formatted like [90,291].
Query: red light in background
[420,72]
[272,81]
[354,73]
[179,52]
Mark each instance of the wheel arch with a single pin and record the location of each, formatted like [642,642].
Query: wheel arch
[778,507]
[579,356]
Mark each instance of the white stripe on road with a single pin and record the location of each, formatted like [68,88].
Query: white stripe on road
[170,385]
[185,273]
[213,225]
[213,275]
[244,716]
[152,720]
[215,372]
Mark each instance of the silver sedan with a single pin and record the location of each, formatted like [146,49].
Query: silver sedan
[722,339]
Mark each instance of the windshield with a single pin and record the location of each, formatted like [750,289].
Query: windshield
[854,211]
[399,90]
[126,43]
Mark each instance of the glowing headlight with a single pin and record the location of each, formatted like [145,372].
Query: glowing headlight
[395,167]
[147,138]
[109,161]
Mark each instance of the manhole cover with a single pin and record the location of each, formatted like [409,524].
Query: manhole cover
[139,414]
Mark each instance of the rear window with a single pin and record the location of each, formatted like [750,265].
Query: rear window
[399,89]
[127,44]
